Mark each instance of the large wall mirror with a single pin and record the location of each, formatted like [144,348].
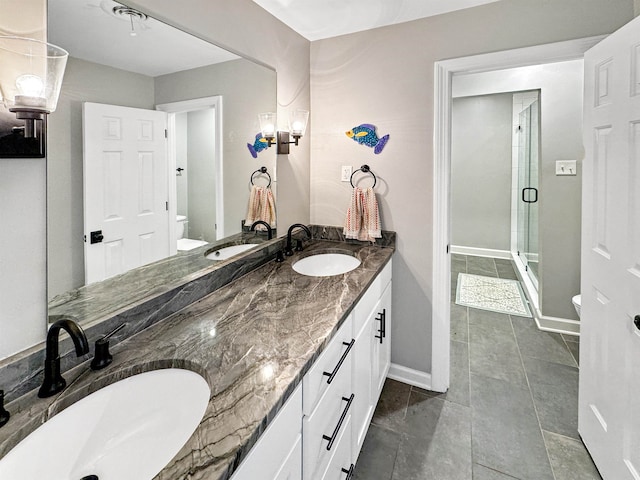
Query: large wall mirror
[124,61]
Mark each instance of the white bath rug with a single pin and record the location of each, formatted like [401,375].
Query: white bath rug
[495,294]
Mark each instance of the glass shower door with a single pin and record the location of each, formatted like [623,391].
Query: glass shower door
[527,214]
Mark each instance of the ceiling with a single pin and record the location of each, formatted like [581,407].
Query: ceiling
[315,20]
[89,30]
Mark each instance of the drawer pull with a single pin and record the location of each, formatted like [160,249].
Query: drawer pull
[332,375]
[349,472]
[334,435]
[382,318]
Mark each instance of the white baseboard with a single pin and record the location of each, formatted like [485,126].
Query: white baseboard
[558,325]
[481,252]
[410,376]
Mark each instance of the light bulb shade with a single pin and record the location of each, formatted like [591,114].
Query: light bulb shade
[268,124]
[31,74]
[298,120]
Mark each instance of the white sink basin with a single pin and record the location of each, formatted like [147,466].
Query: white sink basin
[228,252]
[129,430]
[326,264]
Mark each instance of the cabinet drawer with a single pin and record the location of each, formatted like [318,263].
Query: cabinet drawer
[323,428]
[341,461]
[330,364]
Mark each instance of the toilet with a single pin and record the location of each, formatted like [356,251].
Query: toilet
[577,303]
[182,221]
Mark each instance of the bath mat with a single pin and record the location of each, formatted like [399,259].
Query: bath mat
[494,294]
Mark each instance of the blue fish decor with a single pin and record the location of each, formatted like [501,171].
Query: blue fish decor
[365,134]
[258,145]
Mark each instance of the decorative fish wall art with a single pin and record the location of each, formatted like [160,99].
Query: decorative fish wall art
[365,134]
[259,144]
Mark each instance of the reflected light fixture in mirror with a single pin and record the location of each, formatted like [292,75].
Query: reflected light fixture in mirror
[298,120]
[30,81]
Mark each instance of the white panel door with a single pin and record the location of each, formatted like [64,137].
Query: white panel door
[609,418]
[125,189]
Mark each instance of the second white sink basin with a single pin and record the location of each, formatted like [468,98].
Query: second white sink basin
[228,252]
[129,430]
[326,264]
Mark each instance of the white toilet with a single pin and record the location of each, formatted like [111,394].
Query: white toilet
[577,303]
[182,221]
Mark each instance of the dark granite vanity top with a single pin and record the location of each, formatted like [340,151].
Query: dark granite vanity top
[252,340]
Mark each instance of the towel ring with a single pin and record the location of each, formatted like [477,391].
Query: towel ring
[364,169]
[261,170]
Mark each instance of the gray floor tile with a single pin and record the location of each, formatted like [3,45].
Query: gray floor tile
[538,344]
[570,459]
[482,266]
[437,445]
[574,348]
[506,433]
[493,350]
[480,472]
[378,455]
[459,376]
[459,323]
[505,269]
[392,405]
[458,262]
[571,338]
[555,393]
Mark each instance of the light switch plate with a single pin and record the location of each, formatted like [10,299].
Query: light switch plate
[347,170]
[566,167]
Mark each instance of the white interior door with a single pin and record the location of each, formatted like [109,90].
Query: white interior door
[125,189]
[609,418]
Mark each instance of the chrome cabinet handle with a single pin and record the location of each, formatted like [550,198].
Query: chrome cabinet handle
[334,435]
[332,375]
[349,472]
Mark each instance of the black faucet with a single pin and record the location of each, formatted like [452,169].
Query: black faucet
[53,381]
[262,222]
[288,249]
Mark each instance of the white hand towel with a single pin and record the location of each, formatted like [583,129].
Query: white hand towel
[353,220]
[268,209]
[371,223]
[363,218]
[255,204]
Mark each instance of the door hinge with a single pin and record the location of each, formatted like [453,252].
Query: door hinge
[448,248]
[166,133]
[167,205]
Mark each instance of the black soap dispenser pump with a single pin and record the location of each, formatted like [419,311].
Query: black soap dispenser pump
[4,415]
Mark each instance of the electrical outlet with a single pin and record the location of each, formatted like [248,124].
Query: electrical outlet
[347,170]
[566,167]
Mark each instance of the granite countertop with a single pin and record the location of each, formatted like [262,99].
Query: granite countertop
[252,340]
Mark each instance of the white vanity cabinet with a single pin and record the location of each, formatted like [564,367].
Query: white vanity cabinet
[277,455]
[372,353]
[319,432]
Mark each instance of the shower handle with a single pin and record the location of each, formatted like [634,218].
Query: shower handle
[535,199]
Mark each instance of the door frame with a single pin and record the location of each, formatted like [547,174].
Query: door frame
[172,108]
[443,73]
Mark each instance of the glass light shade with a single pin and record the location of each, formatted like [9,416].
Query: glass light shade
[31,74]
[268,124]
[298,120]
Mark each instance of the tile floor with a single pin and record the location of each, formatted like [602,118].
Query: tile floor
[510,413]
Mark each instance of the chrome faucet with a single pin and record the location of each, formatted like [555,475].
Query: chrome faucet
[262,222]
[53,381]
[288,249]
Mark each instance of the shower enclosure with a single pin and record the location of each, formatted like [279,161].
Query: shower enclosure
[526,244]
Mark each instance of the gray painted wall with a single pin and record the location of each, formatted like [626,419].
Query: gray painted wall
[83,82]
[481,131]
[560,198]
[385,77]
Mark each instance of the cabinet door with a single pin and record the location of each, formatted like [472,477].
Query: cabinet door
[381,344]
[292,466]
[362,385]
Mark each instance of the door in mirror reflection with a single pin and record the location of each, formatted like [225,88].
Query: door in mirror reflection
[125,195]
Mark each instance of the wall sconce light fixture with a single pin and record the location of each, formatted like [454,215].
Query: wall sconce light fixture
[30,81]
[298,120]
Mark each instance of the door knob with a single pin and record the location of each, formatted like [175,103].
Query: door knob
[96,237]
[636,321]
